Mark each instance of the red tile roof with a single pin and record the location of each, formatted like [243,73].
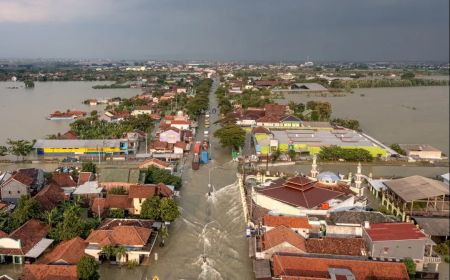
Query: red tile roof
[63,180]
[394,231]
[50,196]
[49,272]
[84,177]
[280,235]
[179,122]
[71,135]
[291,222]
[29,235]
[304,267]
[68,251]
[337,246]
[141,191]
[3,234]
[118,201]
[302,192]
[121,235]
[154,162]
[22,178]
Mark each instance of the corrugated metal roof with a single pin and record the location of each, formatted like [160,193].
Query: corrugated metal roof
[417,187]
[39,248]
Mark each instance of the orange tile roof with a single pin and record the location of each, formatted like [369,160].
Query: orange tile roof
[50,196]
[154,162]
[84,177]
[63,180]
[68,251]
[120,235]
[394,231]
[141,191]
[336,246]
[49,272]
[22,178]
[282,234]
[304,267]
[29,234]
[3,234]
[291,222]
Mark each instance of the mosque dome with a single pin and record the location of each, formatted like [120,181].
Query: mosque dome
[328,177]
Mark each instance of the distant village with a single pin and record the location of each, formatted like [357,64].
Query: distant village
[116,191]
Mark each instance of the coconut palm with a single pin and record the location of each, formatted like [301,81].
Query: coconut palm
[108,251]
[50,216]
[120,252]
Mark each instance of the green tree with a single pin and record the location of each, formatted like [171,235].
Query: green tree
[3,151]
[29,83]
[410,267]
[20,148]
[169,209]
[398,149]
[156,175]
[71,225]
[108,251]
[164,233]
[120,252]
[27,208]
[87,269]
[231,135]
[51,216]
[116,213]
[89,167]
[150,209]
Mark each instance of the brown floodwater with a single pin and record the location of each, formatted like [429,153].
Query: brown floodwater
[23,111]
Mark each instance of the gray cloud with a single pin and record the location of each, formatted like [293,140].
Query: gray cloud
[232,29]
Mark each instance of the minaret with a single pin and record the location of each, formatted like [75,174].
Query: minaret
[358,179]
[314,171]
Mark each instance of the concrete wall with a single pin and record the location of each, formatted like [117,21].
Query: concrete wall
[343,231]
[13,190]
[284,247]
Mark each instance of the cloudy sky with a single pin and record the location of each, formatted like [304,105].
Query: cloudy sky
[276,30]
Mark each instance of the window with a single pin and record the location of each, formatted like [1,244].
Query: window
[18,191]
[386,250]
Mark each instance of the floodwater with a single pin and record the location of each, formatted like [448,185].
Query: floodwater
[208,241]
[415,115]
[23,111]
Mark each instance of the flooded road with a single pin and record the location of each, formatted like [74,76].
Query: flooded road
[23,111]
[416,115]
[208,240]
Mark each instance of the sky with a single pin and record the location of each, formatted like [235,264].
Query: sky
[250,30]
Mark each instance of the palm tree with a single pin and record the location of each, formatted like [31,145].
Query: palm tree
[108,251]
[50,216]
[164,232]
[120,252]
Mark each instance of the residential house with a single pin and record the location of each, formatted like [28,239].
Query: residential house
[118,177]
[299,225]
[27,242]
[170,135]
[65,181]
[140,193]
[134,239]
[50,196]
[399,241]
[45,272]
[22,182]
[142,110]
[68,252]
[315,267]
[181,124]
[102,205]
[84,177]
[286,240]
[156,163]
[349,223]
[131,202]
[89,190]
